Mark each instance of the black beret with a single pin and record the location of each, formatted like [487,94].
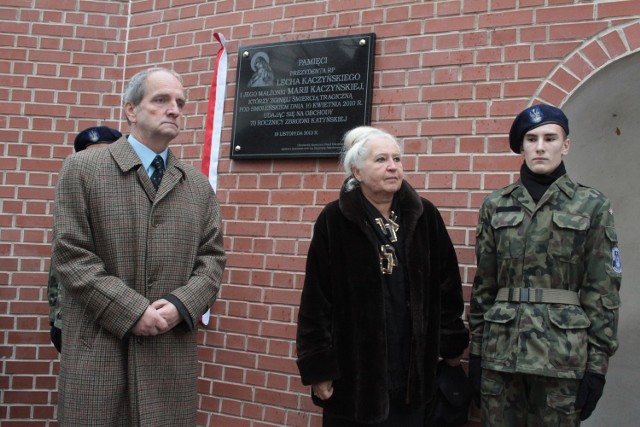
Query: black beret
[533,117]
[95,135]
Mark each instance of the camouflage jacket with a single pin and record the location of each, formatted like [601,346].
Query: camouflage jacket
[53,293]
[567,241]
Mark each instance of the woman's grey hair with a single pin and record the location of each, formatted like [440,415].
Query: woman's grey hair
[355,150]
[135,89]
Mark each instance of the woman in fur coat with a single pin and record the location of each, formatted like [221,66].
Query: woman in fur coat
[382,297]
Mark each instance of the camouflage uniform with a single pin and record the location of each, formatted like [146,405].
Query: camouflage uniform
[566,242]
[55,308]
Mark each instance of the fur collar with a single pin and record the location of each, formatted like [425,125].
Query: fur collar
[351,206]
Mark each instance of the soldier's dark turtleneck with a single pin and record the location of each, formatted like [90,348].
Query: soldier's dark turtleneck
[537,184]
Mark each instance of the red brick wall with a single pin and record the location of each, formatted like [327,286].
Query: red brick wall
[449,77]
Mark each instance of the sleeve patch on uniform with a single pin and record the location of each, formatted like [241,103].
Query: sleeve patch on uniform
[616,264]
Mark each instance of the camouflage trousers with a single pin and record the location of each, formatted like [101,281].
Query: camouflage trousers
[520,400]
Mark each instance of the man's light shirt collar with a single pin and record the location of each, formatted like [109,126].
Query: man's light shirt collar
[146,154]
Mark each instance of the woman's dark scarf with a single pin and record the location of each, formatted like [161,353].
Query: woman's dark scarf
[397,315]
[537,184]
[387,233]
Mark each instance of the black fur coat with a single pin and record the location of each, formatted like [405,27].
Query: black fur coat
[341,325]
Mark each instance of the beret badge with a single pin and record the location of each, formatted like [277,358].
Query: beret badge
[94,135]
[535,115]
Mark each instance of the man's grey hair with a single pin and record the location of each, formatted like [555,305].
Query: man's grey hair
[135,89]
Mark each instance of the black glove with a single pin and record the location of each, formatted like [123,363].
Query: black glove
[56,338]
[475,376]
[589,393]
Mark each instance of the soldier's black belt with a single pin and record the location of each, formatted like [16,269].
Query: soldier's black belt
[538,295]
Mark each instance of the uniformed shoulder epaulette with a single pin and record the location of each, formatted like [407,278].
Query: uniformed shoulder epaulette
[588,188]
[509,188]
[584,191]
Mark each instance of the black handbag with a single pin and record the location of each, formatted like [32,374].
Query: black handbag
[450,404]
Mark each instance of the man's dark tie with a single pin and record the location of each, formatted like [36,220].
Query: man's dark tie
[156,176]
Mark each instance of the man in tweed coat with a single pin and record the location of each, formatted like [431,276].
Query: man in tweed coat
[139,266]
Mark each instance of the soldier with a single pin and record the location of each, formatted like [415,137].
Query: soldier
[90,138]
[544,306]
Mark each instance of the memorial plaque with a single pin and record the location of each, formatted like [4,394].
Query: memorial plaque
[298,99]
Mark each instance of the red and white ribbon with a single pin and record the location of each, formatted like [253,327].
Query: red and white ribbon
[213,130]
[215,112]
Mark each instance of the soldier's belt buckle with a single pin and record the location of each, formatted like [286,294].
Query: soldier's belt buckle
[524,294]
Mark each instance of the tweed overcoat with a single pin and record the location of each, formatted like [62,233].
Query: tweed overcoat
[341,323]
[118,246]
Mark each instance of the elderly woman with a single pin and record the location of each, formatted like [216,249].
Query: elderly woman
[382,297]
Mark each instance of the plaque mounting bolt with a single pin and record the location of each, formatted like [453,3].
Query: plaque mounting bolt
[245,54]
[363,42]
[238,148]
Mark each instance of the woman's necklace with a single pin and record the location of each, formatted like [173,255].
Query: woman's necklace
[389,227]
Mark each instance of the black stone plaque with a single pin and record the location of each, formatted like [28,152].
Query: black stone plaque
[298,99]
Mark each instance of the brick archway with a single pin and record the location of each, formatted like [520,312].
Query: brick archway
[586,60]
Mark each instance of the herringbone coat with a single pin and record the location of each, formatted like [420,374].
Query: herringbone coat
[118,246]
